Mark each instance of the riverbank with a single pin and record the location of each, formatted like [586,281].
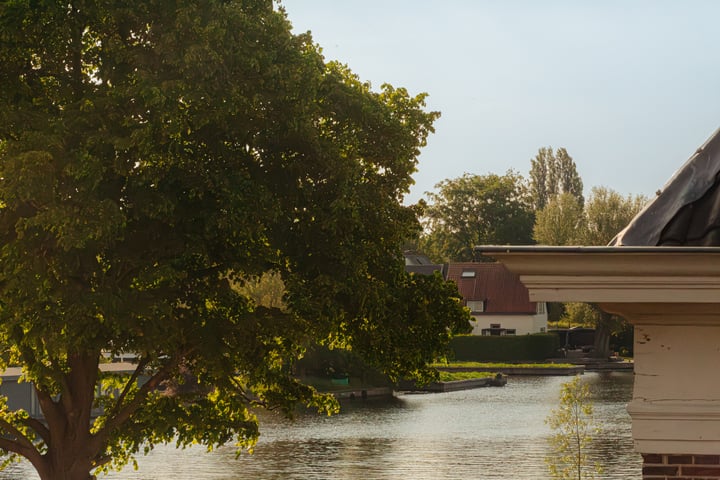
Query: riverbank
[565,370]
[613,364]
[513,368]
[555,367]
[559,366]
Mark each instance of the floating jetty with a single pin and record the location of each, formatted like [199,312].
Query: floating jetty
[364,393]
[499,380]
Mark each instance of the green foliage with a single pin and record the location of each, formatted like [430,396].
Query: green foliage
[563,221]
[573,427]
[607,213]
[500,365]
[455,376]
[266,290]
[320,362]
[476,348]
[551,174]
[476,210]
[577,313]
[560,221]
[154,157]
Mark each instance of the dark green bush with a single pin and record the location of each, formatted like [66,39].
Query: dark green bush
[323,362]
[474,348]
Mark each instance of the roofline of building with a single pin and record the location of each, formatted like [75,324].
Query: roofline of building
[488,250]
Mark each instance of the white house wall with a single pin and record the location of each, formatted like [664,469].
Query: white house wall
[523,324]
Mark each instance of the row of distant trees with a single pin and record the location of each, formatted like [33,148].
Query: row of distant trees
[547,207]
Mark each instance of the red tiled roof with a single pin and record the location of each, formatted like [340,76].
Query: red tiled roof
[500,289]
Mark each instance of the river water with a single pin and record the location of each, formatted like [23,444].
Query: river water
[486,433]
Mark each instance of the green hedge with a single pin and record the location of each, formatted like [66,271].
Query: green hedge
[475,348]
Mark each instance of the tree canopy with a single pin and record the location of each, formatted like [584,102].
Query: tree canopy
[564,221]
[155,156]
[607,212]
[560,222]
[476,210]
[553,173]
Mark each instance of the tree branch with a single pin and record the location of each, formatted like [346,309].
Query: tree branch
[241,390]
[49,409]
[21,445]
[128,385]
[101,460]
[12,429]
[39,428]
[126,411]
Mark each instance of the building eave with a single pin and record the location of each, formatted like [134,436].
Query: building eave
[614,274]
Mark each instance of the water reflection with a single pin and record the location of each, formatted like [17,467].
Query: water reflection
[492,433]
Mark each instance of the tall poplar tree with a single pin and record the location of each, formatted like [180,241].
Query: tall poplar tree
[553,173]
[153,156]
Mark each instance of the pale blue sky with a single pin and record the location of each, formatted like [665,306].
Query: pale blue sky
[630,88]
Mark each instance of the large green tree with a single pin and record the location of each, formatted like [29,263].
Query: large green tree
[476,210]
[564,222]
[553,173]
[607,212]
[560,222]
[153,156]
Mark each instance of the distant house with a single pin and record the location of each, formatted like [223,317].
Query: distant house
[499,303]
[21,394]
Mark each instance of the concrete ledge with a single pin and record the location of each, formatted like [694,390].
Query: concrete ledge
[364,393]
[499,381]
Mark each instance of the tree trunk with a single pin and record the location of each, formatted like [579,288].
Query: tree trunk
[62,473]
[602,336]
[66,463]
[70,449]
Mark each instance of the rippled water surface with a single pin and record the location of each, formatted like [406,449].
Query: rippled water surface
[487,433]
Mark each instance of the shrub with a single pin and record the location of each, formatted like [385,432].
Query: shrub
[474,348]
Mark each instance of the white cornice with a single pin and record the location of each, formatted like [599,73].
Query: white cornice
[615,275]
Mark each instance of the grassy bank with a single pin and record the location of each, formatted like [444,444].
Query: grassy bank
[455,376]
[500,365]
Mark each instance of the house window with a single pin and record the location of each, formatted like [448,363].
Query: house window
[509,331]
[494,325]
[468,274]
[540,308]
[476,306]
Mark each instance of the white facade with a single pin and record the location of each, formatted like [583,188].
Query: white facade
[510,324]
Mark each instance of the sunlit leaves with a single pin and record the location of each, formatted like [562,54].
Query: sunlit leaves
[476,210]
[154,163]
[573,429]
